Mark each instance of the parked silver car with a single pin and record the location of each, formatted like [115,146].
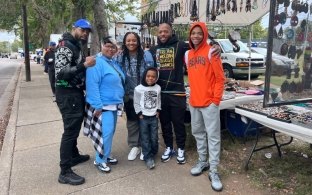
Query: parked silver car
[281,65]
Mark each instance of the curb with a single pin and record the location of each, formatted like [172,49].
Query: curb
[6,157]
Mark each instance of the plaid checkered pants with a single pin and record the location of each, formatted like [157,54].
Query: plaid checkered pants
[93,129]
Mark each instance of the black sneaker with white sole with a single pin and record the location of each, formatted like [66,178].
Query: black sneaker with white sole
[112,161]
[102,167]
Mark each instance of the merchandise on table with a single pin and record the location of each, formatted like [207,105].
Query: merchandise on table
[299,114]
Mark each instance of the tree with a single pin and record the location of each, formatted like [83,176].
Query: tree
[4,47]
[47,17]
[258,31]
[15,45]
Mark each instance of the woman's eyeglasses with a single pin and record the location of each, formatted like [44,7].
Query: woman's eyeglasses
[110,47]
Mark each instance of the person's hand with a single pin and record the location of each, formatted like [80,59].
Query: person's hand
[157,114]
[90,61]
[216,50]
[97,113]
[141,116]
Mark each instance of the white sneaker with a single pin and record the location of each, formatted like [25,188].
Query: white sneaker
[134,152]
[102,167]
[167,154]
[180,157]
[141,156]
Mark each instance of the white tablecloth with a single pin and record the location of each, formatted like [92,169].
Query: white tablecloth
[242,99]
[290,129]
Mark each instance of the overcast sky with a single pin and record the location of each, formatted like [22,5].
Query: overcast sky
[5,36]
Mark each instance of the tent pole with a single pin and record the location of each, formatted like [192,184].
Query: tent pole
[249,67]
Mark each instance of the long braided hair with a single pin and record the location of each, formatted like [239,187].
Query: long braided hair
[140,55]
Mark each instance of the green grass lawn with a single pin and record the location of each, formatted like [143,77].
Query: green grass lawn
[277,81]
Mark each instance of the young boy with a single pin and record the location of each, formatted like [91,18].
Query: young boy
[206,79]
[146,102]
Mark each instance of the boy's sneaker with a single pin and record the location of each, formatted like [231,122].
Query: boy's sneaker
[180,157]
[167,154]
[112,161]
[102,167]
[134,152]
[199,167]
[215,181]
[150,163]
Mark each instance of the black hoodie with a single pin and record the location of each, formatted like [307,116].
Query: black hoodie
[169,60]
[69,69]
[143,80]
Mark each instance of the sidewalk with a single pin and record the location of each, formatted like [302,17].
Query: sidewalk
[29,162]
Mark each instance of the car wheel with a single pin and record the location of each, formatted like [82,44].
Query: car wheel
[228,72]
[254,76]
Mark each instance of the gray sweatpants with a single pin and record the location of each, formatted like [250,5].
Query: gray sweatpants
[206,130]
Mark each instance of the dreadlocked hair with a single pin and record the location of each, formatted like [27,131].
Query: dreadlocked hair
[125,54]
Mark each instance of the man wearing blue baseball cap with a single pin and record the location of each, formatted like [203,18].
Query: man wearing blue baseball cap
[49,61]
[70,74]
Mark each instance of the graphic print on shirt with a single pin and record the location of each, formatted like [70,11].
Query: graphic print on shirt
[150,99]
[199,60]
[165,58]
[131,70]
[64,56]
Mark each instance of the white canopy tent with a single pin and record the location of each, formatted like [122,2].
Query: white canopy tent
[238,18]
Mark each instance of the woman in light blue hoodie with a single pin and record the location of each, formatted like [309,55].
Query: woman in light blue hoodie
[104,93]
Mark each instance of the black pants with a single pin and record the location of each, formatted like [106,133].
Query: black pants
[172,114]
[45,67]
[52,79]
[71,105]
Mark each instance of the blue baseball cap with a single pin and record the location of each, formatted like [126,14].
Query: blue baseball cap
[83,23]
[52,43]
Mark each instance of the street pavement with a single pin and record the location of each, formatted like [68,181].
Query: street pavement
[9,71]
[29,161]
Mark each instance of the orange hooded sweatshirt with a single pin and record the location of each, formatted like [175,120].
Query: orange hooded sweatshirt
[205,72]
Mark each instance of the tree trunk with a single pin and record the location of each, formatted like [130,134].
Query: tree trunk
[100,26]
[79,11]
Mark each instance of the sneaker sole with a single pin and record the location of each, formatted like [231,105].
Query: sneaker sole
[197,174]
[112,163]
[165,160]
[102,171]
[181,162]
[71,183]
[217,190]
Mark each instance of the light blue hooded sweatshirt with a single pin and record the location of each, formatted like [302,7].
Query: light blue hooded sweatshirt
[104,85]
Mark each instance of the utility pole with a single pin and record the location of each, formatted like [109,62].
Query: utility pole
[26,42]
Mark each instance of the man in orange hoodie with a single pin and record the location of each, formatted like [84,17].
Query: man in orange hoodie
[206,79]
